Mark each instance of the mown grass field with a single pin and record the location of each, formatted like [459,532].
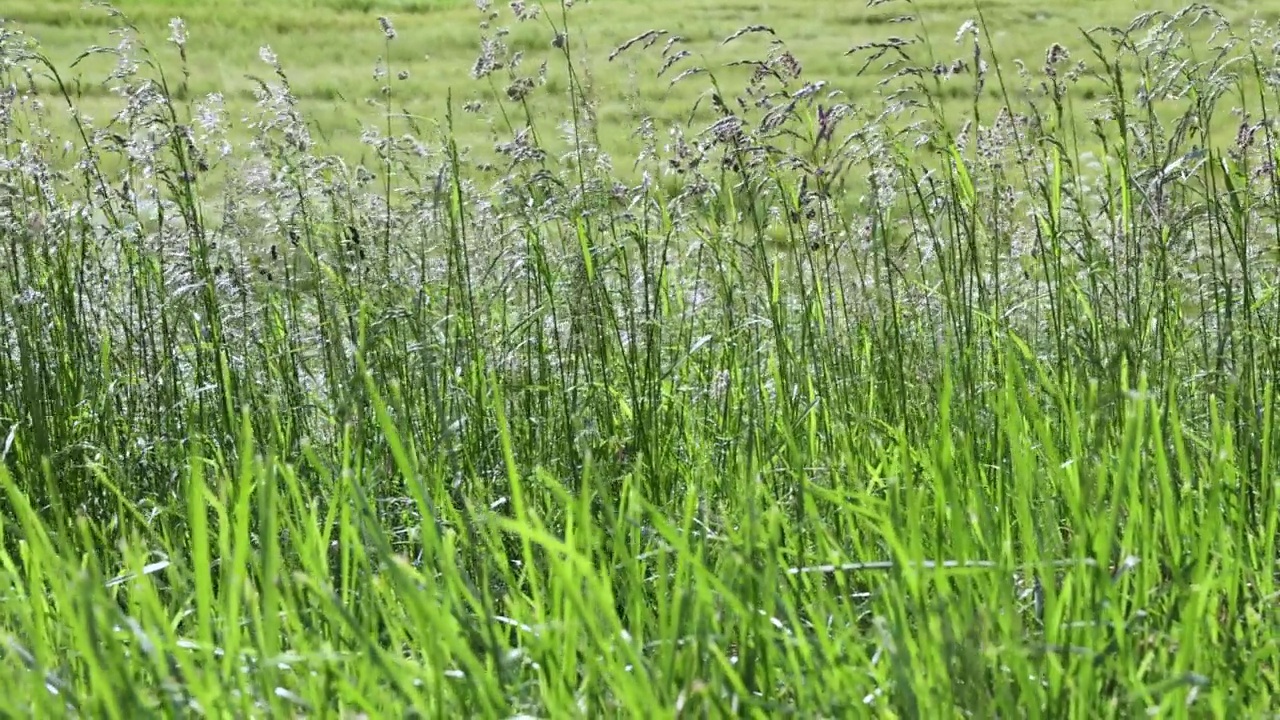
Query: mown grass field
[330,49]
[952,396]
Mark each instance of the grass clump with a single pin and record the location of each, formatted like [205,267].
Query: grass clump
[843,408]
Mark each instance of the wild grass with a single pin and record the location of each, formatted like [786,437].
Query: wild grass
[841,408]
[332,57]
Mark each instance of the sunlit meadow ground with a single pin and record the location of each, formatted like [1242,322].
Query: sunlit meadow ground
[330,49]
[948,396]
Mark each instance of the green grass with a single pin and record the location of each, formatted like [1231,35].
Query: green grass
[835,411]
[330,49]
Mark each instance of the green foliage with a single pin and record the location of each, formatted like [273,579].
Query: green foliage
[953,398]
[331,48]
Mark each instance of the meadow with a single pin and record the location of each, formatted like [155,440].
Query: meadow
[333,51]
[638,360]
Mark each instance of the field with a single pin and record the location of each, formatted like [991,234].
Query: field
[333,386]
[331,48]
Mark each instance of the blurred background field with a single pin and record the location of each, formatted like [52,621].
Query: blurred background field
[330,50]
